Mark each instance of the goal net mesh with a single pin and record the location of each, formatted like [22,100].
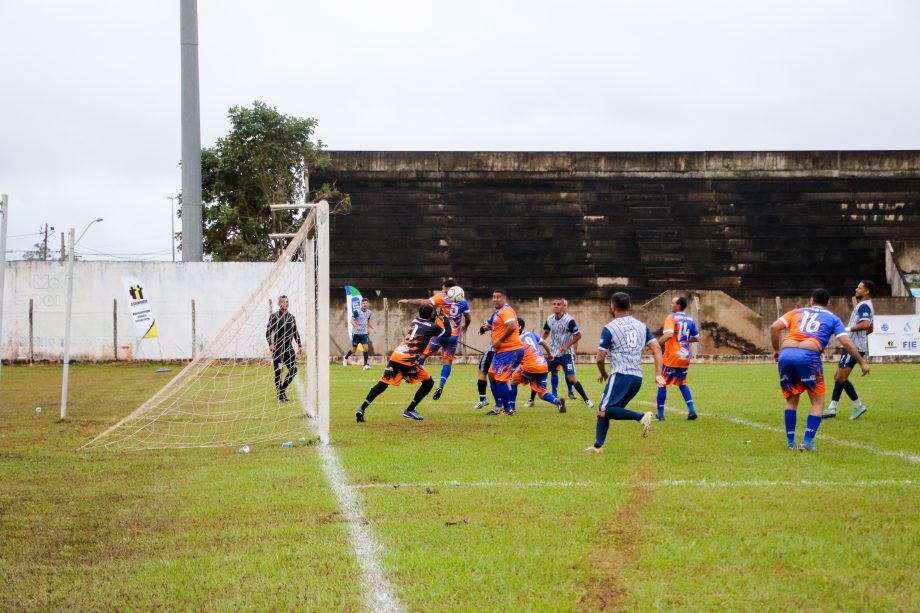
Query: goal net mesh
[228,394]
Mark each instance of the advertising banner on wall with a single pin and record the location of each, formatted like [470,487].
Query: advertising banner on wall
[145,321]
[895,335]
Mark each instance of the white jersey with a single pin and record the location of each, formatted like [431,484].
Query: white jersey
[561,332]
[624,339]
[864,311]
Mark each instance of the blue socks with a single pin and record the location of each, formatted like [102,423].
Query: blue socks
[500,392]
[512,397]
[662,396]
[550,398]
[554,381]
[790,425]
[685,392]
[600,431]
[847,387]
[445,373]
[811,428]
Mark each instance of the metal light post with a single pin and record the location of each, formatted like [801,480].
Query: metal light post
[73,244]
[172,201]
[4,213]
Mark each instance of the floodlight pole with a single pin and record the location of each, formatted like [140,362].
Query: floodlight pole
[192,241]
[4,213]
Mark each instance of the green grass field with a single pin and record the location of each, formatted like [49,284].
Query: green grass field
[473,513]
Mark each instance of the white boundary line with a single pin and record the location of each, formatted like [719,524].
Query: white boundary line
[378,593]
[902,455]
[702,483]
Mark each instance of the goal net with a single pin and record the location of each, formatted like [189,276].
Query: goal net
[229,395]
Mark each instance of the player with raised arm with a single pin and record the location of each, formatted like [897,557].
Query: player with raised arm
[860,325]
[623,340]
[678,331]
[534,368]
[280,332]
[454,306]
[799,359]
[360,322]
[509,351]
[404,364]
[563,334]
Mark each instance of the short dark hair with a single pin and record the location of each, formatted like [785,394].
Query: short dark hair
[560,299]
[821,296]
[620,301]
[500,291]
[364,300]
[281,297]
[681,302]
[520,323]
[869,285]
[425,311]
[449,282]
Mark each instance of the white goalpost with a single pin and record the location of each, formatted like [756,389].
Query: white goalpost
[230,394]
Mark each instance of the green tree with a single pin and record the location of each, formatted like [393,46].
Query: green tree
[261,161]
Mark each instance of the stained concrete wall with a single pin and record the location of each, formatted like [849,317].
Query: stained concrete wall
[220,289]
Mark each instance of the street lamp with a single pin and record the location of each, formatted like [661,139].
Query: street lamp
[172,201]
[73,245]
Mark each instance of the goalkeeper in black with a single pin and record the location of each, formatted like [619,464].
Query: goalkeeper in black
[280,332]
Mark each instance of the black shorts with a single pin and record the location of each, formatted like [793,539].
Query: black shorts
[847,361]
[485,362]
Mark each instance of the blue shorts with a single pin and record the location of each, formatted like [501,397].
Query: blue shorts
[447,345]
[565,362]
[504,363]
[847,361]
[485,362]
[360,338]
[800,370]
[620,389]
[674,376]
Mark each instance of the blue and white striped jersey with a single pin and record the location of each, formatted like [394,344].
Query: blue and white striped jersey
[361,318]
[862,312]
[624,339]
[561,332]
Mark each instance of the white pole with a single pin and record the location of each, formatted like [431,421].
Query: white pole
[322,323]
[67,326]
[4,213]
[310,355]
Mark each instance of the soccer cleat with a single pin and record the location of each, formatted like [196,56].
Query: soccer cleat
[562,405]
[828,413]
[659,417]
[646,422]
[437,393]
[589,404]
[367,367]
[593,449]
[807,446]
[481,404]
[359,416]
[571,395]
[528,404]
[344,361]
[282,397]
[509,412]
[858,411]
[791,446]
[410,414]
[692,415]
[495,411]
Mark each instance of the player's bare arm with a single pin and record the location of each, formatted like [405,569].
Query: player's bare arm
[656,355]
[414,301]
[601,360]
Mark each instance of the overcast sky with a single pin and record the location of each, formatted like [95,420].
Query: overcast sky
[90,101]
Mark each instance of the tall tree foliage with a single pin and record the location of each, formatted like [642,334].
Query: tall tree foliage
[261,161]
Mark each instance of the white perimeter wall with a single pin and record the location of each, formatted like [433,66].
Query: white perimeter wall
[218,288]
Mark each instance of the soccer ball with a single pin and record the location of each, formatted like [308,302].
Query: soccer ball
[455,293]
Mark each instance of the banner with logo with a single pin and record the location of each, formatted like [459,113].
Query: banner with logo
[145,321]
[895,335]
[352,304]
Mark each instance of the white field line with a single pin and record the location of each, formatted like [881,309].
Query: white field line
[378,593]
[903,455]
[700,483]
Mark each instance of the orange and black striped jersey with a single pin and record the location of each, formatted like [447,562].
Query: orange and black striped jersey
[421,331]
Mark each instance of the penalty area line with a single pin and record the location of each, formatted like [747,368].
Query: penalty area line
[700,483]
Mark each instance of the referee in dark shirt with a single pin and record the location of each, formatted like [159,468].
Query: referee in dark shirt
[281,330]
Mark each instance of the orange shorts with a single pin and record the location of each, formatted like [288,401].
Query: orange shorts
[537,380]
[395,373]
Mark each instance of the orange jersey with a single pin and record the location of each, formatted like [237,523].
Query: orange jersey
[500,321]
[421,331]
[534,361]
[677,348]
[814,323]
[454,311]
